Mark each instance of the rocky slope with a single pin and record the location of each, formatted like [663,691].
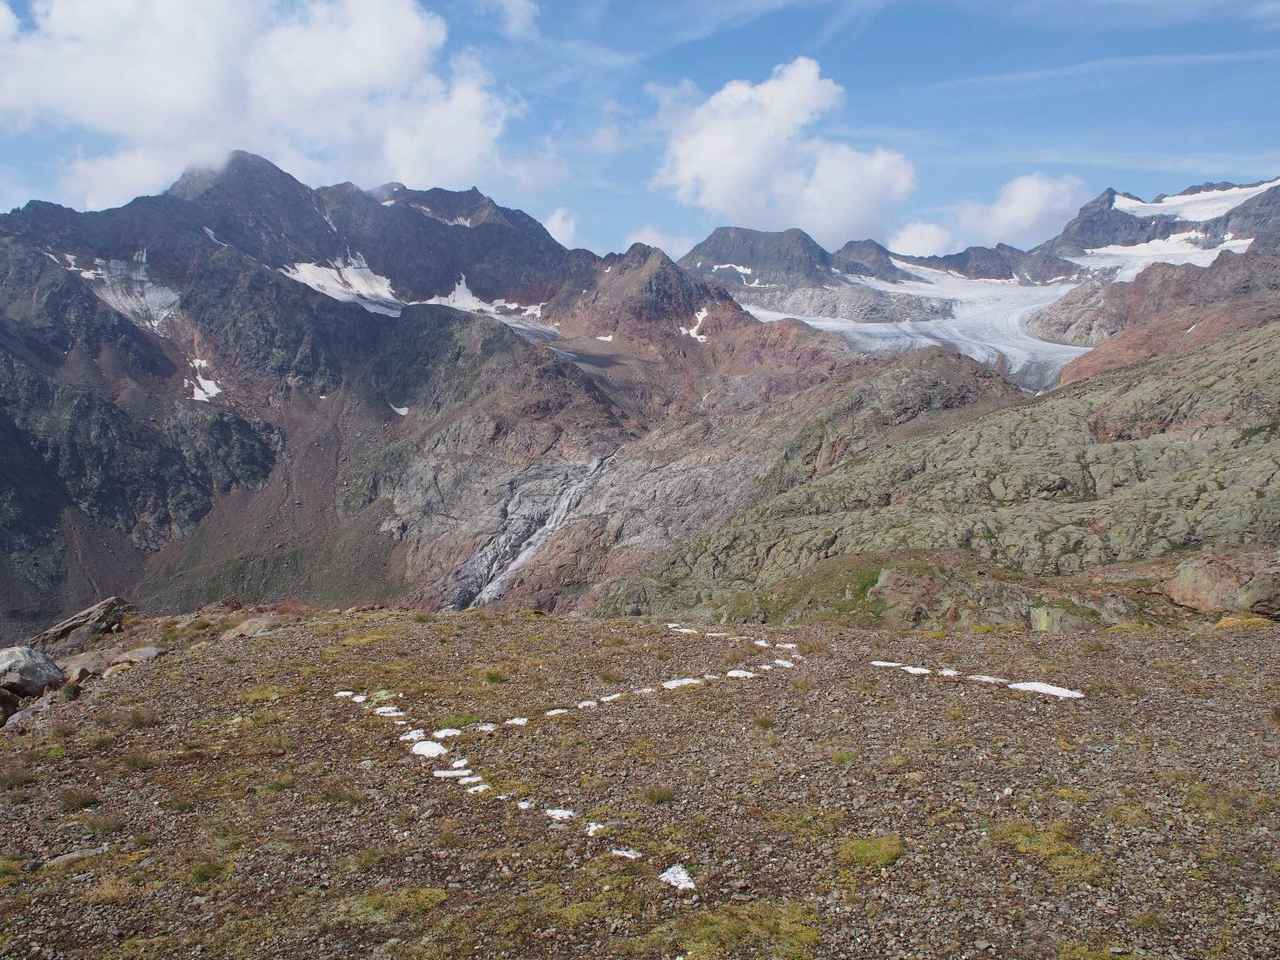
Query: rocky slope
[1132,465]
[246,386]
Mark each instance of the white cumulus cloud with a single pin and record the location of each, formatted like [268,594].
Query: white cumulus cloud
[330,89]
[1028,209]
[562,225]
[749,153]
[919,239]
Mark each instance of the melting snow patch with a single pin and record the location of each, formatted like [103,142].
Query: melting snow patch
[402,411]
[949,673]
[389,712]
[917,671]
[1205,205]
[610,698]
[593,828]
[608,339]
[447,732]
[481,788]
[745,271]
[345,693]
[561,815]
[558,712]
[785,664]
[587,704]
[1180,248]
[349,280]
[486,727]
[684,630]
[983,678]
[740,674]
[518,722]
[524,804]
[697,326]
[451,774]
[677,877]
[467,781]
[681,682]
[413,736]
[761,643]
[786,646]
[644,690]
[626,853]
[459,764]
[359,698]
[1035,686]
[429,748]
[885,663]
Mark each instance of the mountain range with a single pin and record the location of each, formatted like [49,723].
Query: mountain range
[248,387]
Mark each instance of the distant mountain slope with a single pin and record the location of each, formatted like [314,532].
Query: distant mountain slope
[250,387]
[1178,453]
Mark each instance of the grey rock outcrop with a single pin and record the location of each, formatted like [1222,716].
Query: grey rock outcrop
[70,635]
[26,672]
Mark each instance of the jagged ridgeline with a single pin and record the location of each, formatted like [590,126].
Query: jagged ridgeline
[249,387]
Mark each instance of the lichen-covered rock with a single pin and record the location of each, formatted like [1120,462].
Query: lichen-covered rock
[1176,455]
[26,672]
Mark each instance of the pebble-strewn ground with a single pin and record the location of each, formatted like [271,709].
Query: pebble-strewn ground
[224,801]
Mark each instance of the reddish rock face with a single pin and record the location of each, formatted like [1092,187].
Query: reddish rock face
[1174,310]
[1223,583]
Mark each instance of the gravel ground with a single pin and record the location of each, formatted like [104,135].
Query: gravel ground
[222,801]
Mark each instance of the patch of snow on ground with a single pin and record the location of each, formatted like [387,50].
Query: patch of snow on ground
[1197,207]
[349,280]
[745,271]
[414,736]
[1035,686]
[561,815]
[345,694]
[518,722]
[677,877]
[983,678]
[447,732]
[202,388]
[681,682]
[558,712]
[626,853]
[740,674]
[451,774]
[1181,248]
[429,748]
[402,411]
[608,339]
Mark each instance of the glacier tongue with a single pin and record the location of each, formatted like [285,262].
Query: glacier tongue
[987,323]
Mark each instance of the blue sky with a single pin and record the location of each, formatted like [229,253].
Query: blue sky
[930,124]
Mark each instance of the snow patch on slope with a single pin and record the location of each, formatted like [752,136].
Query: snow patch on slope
[1195,207]
[350,280]
[126,287]
[1181,248]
